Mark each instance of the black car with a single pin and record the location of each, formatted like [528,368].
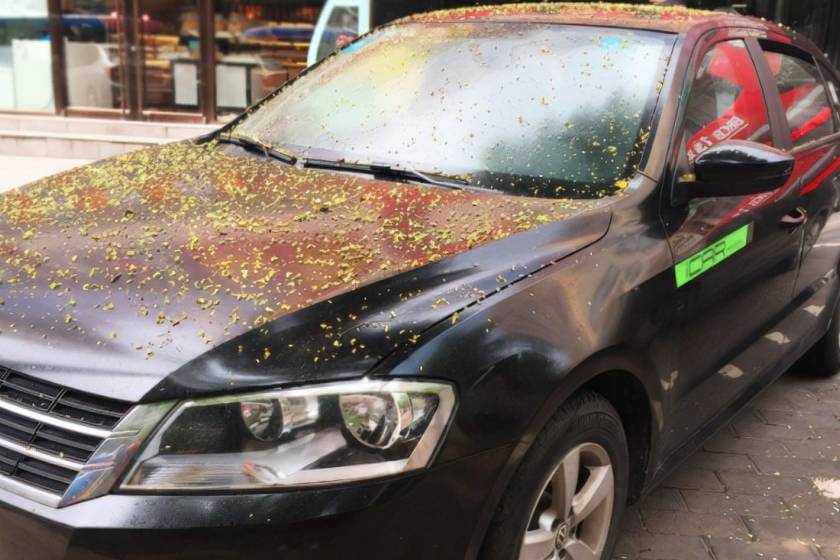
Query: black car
[466,288]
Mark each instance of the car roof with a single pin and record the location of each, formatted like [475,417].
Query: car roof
[671,19]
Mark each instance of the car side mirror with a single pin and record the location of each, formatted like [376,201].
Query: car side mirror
[737,168]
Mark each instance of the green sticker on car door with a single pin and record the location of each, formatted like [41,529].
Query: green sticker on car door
[713,255]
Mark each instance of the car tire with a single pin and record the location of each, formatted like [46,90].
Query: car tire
[586,431]
[823,359]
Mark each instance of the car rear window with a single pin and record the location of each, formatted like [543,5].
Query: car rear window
[804,97]
[524,108]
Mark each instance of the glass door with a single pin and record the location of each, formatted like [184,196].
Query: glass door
[168,57]
[95,56]
[259,46]
[25,57]
[173,60]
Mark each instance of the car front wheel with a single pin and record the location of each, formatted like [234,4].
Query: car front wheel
[567,497]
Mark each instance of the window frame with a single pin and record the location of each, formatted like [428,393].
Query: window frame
[677,159]
[830,78]
[677,156]
[787,49]
[693,88]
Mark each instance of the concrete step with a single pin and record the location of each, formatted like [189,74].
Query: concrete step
[67,145]
[88,139]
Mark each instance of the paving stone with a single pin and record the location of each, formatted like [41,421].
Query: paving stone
[829,436]
[790,466]
[694,524]
[824,390]
[750,426]
[774,398]
[690,478]
[802,399]
[825,419]
[809,506]
[830,551]
[725,549]
[725,443]
[722,461]
[664,498]
[738,482]
[723,504]
[812,532]
[822,501]
[814,449]
[830,397]
[632,521]
[642,546]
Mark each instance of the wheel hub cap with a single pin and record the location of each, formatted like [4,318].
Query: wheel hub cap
[562,535]
[572,517]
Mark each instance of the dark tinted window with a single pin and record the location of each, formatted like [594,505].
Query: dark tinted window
[726,101]
[804,97]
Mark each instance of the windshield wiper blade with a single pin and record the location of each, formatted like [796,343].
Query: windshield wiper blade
[391,171]
[257,146]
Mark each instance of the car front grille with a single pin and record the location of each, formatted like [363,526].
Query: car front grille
[48,432]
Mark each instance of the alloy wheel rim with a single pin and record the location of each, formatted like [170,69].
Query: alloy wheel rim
[572,517]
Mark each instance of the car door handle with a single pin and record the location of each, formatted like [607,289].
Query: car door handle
[795,218]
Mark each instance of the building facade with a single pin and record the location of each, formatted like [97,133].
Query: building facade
[206,60]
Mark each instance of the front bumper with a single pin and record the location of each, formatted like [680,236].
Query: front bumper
[435,514]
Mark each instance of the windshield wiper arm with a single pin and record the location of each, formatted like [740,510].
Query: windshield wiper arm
[257,146]
[391,171]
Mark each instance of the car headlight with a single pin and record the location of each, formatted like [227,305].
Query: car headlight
[297,437]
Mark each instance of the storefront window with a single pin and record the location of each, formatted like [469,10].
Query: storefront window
[93,41]
[25,57]
[259,46]
[171,71]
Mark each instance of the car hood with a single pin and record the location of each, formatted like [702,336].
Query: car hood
[192,268]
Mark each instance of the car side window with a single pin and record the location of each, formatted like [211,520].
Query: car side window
[833,92]
[726,101]
[805,96]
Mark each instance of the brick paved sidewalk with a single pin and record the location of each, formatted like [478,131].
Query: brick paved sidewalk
[767,486]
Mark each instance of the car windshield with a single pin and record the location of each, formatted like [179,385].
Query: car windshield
[528,109]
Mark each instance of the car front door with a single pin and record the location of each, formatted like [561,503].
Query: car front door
[735,256]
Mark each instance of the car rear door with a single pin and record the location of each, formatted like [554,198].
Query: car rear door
[809,94]
[725,307]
